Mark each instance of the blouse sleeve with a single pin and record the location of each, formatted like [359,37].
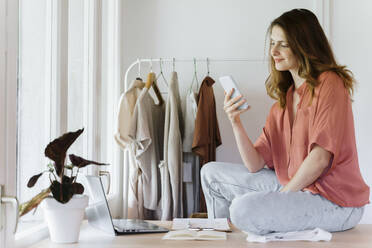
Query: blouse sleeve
[122,127]
[330,115]
[263,144]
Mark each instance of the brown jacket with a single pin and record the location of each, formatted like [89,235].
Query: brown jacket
[207,134]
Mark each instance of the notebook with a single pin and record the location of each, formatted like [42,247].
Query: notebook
[219,224]
[194,235]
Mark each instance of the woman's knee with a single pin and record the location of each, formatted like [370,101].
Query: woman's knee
[207,169]
[212,171]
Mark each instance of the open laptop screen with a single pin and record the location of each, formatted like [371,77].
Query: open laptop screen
[99,215]
[98,212]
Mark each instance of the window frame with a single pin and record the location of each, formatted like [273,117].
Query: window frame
[8,113]
[56,83]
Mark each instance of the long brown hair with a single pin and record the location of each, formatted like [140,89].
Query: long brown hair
[310,46]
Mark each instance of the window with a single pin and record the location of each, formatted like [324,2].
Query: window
[76,52]
[33,126]
[65,65]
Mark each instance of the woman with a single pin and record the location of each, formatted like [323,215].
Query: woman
[308,142]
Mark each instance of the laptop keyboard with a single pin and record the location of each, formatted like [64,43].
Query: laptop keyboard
[133,226]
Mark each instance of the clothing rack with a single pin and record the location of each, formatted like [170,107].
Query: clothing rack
[174,60]
[126,86]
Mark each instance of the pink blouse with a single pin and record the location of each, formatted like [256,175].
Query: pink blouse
[328,122]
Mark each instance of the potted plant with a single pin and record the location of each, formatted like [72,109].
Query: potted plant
[62,202]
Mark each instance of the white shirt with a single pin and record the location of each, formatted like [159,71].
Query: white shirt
[124,118]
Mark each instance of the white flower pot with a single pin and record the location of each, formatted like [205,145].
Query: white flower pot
[64,220]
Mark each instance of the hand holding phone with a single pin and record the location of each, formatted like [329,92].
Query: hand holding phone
[228,84]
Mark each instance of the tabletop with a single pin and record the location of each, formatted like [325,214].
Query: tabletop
[360,236]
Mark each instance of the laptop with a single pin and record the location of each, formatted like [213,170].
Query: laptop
[99,215]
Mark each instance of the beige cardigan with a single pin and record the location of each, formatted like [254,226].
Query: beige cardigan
[171,166]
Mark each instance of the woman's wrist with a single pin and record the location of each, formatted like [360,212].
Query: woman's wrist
[236,123]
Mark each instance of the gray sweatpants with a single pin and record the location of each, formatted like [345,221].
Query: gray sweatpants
[253,202]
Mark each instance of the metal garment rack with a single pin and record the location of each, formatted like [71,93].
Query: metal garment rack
[126,86]
[174,60]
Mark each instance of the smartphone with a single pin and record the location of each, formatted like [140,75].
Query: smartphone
[228,84]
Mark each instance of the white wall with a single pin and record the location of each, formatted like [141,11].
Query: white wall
[235,29]
[216,29]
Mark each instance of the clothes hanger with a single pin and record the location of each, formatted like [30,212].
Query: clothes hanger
[139,69]
[151,82]
[208,67]
[174,64]
[195,78]
[161,73]
[150,77]
[139,83]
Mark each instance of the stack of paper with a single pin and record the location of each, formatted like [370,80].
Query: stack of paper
[316,234]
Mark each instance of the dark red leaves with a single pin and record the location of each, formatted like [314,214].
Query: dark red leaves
[33,180]
[56,150]
[81,162]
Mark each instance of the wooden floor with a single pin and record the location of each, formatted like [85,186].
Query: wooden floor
[360,236]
